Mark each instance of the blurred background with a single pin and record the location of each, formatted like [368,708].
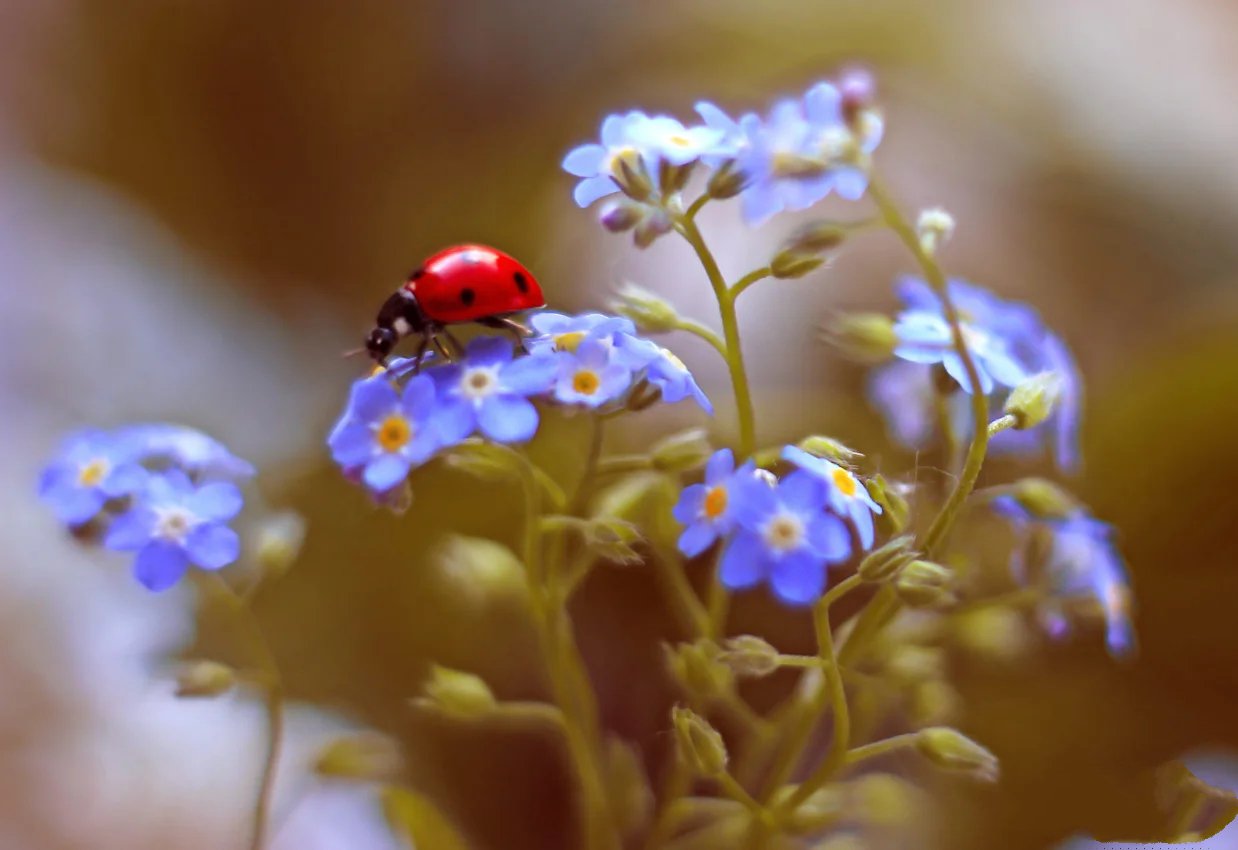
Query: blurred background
[203,203]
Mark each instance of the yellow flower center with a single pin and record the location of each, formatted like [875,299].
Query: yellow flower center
[674,361]
[91,474]
[626,152]
[569,341]
[844,481]
[394,433]
[715,501]
[680,140]
[784,532]
[586,382]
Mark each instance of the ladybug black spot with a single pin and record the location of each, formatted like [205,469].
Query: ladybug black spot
[467,297]
[522,282]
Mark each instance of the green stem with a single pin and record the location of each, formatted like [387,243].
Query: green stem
[678,784]
[597,436]
[879,748]
[730,331]
[1002,424]
[749,279]
[697,329]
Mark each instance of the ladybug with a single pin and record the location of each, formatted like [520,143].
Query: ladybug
[463,283]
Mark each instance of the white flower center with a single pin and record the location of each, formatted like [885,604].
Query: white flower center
[174,524]
[783,532]
[479,381]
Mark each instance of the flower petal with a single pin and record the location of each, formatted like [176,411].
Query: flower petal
[591,188]
[212,546]
[75,505]
[720,465]
[373,398]
[688,508]
[385,471]
[696,538]
[488,350]
[217,501]
[159,565]
[798,578]
[508,418]
[743,562]
[584,161]
[828,536]
[530,375]
[130,530]
[123,480]
[418,397]
[352,445]
[452,421]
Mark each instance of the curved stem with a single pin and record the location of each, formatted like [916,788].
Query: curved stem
[699,330]
[597,436]
[880,748]
[749,279]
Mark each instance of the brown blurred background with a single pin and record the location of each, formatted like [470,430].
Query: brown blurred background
[202,203]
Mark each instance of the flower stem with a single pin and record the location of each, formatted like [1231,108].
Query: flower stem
[749,279]
[686,225]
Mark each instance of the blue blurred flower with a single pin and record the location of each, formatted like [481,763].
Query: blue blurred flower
[385,432]
[560,332]
[785,537]
[493,388]
[706,509]
[1082,561]
[174,523]
[1059,434]
[669,374]
[845,494]
[186,448]
[906,396]
[925,337]
[591,375]
[92,467]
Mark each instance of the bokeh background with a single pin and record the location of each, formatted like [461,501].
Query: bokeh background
[202,204]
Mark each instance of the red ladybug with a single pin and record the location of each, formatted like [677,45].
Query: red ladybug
[464,283]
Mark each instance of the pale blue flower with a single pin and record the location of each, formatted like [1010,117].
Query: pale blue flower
[92,468]
[186,448]
[846,495]
[669,374]
[591,375]
[706,510]
[494,389]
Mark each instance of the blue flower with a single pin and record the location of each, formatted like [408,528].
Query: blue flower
[785,537]
[906,396]
[845,494]
[669,374]
[174,523]
[1060,432]
[592,375]
[1082,561]
[92,468]
[706,509]
[925,337]
[385,432]
[560,332]
[185,448]
[493,389]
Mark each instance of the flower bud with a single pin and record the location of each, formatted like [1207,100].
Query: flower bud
[934,228]
[995,632]
[457,693]
[700,744]
[279,541]
[479,569]
[825,807]
[683,451]
[895,511]
[923,583]
[932,703]
[619,216]
[788,264]
[883,800]
[627,785]
[1044,499]
[611,539]
[857,91]
[651,313]
[796,166]
[830,449]
[951,750]
[698,670]
[486,461]
[628,171]
[816,237]
[364,756]
[886,562]
[643,498]
[726,182]
[750,657]
[910,663]
[1032,401]
[656,223]
[672,178]
[867,337]
[205,679]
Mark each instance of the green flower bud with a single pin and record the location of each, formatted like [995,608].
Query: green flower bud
[882,799]
[922,584]
[683,451]
[698,669]
[895,510]
[750,656]
[628,171]
[457,693]
[886,562]
[640,498]
[1044,499]
[910,663]
[205,679]
[651,313]
[486,461]
[934,228]
[642,396]
[279,541]
[672,178]
[364,756]
[789,264]
[830,449]
[794,166]
[726,182]
[655,224]
[479,569]
[951,750]
[700,744]
[611,539]
[627,786]
[867,337]
[622,215]
[816,238]
[993,632]
[819,811]
[933,703]
[1032,401]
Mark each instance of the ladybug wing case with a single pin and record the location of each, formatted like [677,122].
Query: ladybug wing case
[471,282]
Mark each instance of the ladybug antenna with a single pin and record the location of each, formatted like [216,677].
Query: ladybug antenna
[352,352]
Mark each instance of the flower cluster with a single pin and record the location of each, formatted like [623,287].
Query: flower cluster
[396,420]
[1009,344]
[164,492]
[803,150]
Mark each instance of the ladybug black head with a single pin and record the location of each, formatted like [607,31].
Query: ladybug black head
[380,342]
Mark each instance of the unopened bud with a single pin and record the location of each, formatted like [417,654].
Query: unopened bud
[642,498]
[882,800]
[672,178]
[621,215]
[457,693]
[830,449]
[656,223]
[1044,499]
[867,337]
[886,562]
[480,569]
[279,541]
[934,228]
[857,90]
[910,663]
[750,657]
[895,510]
[793,166]
[923,583]
[698,669]
[683,451]
[628,171]
[995,632]
[612,539]
[651,313]
[1033,400]
[700,744]
[788,264]
[951,750]
[364,756]
[627,785]
[205,679]
[816,238]
[727,182]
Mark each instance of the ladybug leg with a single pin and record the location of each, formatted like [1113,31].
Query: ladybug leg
[441,349]
[503,323]
[456,346]
[421,352]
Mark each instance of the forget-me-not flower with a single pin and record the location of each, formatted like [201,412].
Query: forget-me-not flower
[706,509]
[591,375]
[845,494]
[185,448]
[669,374]
[92,468]
[785,537]
[494,388]
[175,523]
